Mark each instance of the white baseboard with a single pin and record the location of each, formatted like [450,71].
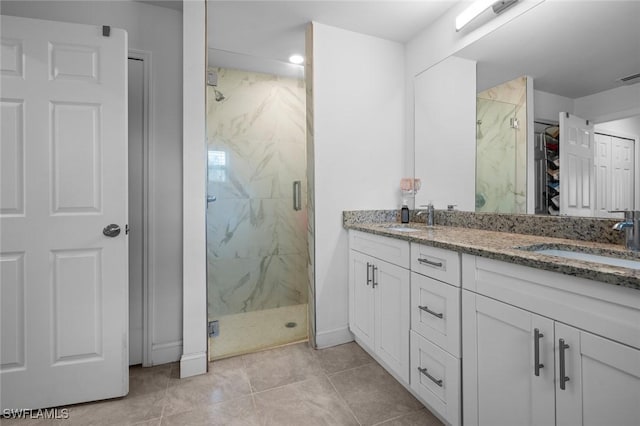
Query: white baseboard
[338,336]
[163,353]
[193,364]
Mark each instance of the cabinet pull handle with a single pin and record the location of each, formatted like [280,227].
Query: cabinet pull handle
[374,269]
[368,274]
[430,262]
[433,379]
[563,378]
[536,351]
[429,311]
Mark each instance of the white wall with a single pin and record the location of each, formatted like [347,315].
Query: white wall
[194,357]
[358,104]
[548,106]
[613,104]
[445,109]
[625,127]
[159,31]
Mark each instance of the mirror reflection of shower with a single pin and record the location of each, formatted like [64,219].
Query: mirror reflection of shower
[212,80]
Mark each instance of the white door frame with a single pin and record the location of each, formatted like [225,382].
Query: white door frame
[147,201]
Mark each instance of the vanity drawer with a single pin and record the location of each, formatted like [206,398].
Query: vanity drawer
[435,377]
[443,265]
[388,249]
[435,312]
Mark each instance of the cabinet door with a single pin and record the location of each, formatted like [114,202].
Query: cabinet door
[500,382]
[361,298]
[392,316]
[603,386]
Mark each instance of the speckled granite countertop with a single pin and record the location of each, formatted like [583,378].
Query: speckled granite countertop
[504,246]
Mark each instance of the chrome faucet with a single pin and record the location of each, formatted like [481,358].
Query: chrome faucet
[631,227]
[430,214]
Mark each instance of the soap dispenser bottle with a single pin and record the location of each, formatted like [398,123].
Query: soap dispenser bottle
[404,212]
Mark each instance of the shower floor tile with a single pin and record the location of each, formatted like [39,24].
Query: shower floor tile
[257,330]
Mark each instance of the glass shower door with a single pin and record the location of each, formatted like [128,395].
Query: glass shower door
[257,225]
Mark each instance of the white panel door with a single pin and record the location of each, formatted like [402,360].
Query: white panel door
[622,171]
[577,174]
[64,288]
[602,380]
[603,174]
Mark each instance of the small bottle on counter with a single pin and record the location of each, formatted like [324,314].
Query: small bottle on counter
[404,212]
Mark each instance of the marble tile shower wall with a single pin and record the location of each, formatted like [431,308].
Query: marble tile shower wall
[501,149]
[256,241]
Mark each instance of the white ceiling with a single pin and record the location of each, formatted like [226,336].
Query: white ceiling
[171,4]
[274,30]
[570,48]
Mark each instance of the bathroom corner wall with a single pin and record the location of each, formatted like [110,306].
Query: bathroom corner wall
[358,137]
[502,155]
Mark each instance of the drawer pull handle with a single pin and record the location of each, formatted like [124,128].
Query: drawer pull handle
[536,351]
[563,377]
[429,311]
[433,379]
[430,262]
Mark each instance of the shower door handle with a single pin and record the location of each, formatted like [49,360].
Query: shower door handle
[297,197]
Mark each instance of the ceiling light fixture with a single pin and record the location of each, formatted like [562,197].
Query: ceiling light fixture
[478,7]
[296,59]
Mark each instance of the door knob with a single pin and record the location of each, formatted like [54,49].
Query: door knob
[112,230]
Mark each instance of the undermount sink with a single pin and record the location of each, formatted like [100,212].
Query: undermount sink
[401,228]
[607,257]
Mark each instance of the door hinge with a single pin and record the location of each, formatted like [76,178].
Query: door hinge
[213,328]
[126,229]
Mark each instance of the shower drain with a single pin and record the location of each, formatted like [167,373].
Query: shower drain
[290,324]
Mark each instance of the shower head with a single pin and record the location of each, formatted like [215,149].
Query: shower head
[219,96]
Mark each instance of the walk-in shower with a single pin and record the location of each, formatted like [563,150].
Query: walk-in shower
[257,225]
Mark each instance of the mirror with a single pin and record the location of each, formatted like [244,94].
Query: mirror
[575,54]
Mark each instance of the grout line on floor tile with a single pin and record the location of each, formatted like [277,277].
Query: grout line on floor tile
[352,368]
[281,386]
[343,400]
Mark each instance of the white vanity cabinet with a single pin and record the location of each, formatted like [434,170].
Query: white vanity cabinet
[379,294]
[435,329]
[532,355]
[602,380]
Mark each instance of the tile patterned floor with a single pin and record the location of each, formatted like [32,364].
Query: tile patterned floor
[293,385]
